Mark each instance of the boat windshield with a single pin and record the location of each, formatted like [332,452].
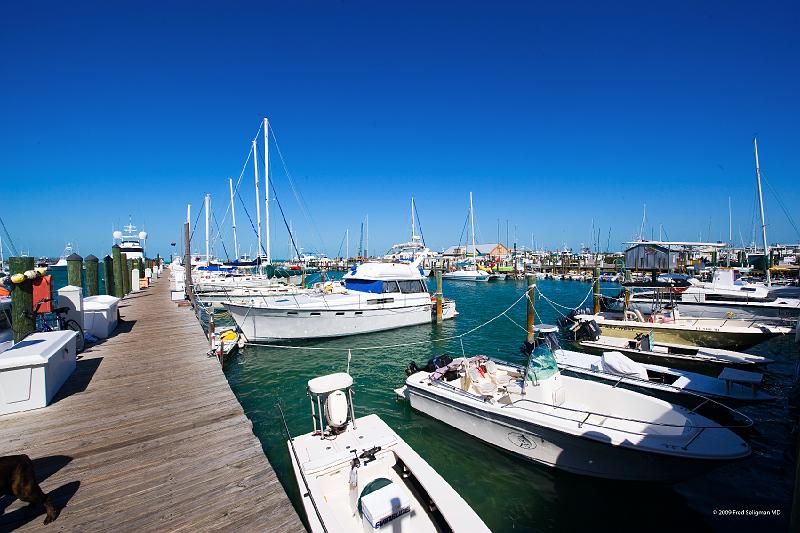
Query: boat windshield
[542,365]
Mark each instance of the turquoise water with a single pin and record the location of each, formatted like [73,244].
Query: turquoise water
[511,494]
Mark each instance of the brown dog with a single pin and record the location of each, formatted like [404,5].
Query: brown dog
[18,479]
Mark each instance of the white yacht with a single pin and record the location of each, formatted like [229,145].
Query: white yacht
[374,296]
[62,260]
[132,243]
[573,424]
[357,474]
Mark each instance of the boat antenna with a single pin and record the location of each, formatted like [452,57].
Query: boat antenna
[299,468]
[761,206]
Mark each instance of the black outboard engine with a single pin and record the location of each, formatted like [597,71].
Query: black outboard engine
[588,331]
[433,364]
[545,334]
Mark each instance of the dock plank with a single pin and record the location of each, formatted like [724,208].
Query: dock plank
[146,435]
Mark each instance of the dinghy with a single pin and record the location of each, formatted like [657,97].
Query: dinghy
[578,425]
[357,474]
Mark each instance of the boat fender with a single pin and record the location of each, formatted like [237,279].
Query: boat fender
[336,409]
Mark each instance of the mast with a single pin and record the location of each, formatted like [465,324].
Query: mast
[472,225]
[189,213]
[208,256]
[730,233]
[761,207]
[258,199]
[347,245]
[413,232]
[233,219]
[266,184]
[366,237]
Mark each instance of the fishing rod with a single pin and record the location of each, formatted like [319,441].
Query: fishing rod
[299,468]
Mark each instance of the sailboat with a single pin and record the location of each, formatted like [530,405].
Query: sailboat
[471,272]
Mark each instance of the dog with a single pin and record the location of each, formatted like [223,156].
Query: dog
[18,479]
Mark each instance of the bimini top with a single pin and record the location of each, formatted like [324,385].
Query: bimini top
[330,383]
[384,271]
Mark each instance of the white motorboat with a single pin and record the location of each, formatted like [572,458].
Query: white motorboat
[644,349]
[375,297]
[670,327]
[615,368]
[466,275]
[496,276]
[578,425]
[357,474]
[723,297]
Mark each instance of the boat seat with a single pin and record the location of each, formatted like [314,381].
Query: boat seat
[500,377]
[484,387]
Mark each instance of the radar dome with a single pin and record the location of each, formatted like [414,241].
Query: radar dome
[117,234]
[143,235]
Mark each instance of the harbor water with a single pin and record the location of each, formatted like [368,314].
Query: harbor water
[509,493]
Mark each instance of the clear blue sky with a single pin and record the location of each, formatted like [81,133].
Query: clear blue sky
[552,113]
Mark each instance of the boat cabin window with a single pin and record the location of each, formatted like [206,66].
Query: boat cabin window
[390,286]
[413,286]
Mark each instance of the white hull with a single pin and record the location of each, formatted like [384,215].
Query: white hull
[733,310]
[262,324]
[466,275]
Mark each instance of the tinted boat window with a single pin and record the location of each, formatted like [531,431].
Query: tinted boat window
[390,286]
[412,286]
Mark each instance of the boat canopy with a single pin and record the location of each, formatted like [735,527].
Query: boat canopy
[330,383]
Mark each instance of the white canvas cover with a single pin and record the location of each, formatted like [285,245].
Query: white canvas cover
[616,363]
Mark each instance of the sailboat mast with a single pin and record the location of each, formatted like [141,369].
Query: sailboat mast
[233,219]
[208,255]
[266,185]
[761,207]
[413,232]
[347,245]
[472,225]
[258,199]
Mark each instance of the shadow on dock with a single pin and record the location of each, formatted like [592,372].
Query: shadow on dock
[44,468]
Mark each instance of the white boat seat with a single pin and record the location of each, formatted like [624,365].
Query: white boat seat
[500,377]
[484,386]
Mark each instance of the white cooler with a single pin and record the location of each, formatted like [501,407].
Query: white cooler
[100,315]
[33,370]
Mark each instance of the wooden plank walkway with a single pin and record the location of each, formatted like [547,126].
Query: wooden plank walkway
[147,435]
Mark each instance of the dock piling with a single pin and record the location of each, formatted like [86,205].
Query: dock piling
[75,270]
[596,289]
[22,322]
[108,274]
[126,274]
[531,309]
[119,272]
[92,275]
[439,299]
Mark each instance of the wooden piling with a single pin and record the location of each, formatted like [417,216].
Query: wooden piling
[75,270]
[92,275]
[531,309]
[596,289]
[108,275]
[187,263]
[22,322]
[141,268]
[126,274]
[439,298]
[119,272]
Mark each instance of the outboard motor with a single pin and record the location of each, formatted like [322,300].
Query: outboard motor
[588,331]
[336,411]
[435,363]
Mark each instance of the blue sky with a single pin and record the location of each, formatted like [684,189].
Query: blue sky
[553,114]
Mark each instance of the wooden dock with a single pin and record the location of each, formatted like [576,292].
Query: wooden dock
[147,435]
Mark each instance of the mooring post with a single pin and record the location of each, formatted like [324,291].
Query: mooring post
[126,274]
[211,328]
[531,308]
[141,268]
[439,299]
[75,270]
[22,322]
[92,275]
[119,272]
[108,275]
[187,263]
[596,290]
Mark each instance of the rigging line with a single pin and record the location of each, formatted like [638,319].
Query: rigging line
[12,247]
[781,204]
[466,221]
[241,175]
[291,237]
[214,216]
[199,212]
[419,223]
[297,195]
[252,225]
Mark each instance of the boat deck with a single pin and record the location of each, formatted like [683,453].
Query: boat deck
[147,435]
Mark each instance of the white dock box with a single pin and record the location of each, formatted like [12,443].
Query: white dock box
[100,315]
[33,370]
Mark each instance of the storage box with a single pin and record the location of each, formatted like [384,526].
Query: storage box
[34,369]
[100,315]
